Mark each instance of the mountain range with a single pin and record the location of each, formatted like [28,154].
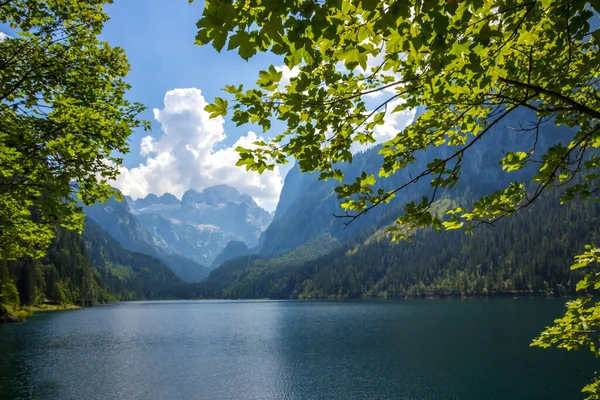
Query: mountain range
[203,230]
[307,253]
[201,224]
[238,250]
[306,204]
[187,234]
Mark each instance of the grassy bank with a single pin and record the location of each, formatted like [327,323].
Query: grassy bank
[54,307]
[12,314]
[16,314]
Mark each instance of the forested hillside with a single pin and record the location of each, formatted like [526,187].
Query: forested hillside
[125,274]
[523,255]
[116,218]
[527,254]
[233,276]
[63,276]
[233,249]
[85,270]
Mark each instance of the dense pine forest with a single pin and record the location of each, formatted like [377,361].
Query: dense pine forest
[64,276]
[528,254]
[89,269]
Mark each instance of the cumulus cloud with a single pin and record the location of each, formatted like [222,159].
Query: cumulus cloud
[146,146]
[186,155]
[189,155]
[286,75]
[393,123]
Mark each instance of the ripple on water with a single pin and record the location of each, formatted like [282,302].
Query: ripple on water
[288,351]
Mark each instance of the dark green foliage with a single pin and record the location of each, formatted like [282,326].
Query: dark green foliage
[64,119]
[10,294]
[233,249]
[63,276]
[526,254]
[129,275]
[88,269]
[472,65]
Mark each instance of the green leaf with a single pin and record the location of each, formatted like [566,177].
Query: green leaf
[453,224]
[218,109]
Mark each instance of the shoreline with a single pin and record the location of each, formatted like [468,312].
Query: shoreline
[360,299]
[8,315]
[50,307]
[21,315]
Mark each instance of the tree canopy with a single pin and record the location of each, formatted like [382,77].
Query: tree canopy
[63,116]
[468,63]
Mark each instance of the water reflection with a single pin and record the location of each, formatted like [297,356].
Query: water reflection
[289,351]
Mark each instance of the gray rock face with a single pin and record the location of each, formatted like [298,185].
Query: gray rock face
[202,223]
[306,204]
[118,220]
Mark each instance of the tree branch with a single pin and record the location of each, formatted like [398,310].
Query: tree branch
[426,172]
[538,89]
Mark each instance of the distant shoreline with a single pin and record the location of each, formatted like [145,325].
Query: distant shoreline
[28,311]
[52,307]
[8,315]
[359,299]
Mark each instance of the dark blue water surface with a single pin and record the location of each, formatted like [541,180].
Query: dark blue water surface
[290,350]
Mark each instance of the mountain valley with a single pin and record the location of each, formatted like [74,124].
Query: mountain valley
[223,239]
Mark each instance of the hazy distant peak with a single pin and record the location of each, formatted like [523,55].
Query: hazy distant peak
[153,199]
[224,192]
[168,198]
[214,195]
[249,200]
[200,225]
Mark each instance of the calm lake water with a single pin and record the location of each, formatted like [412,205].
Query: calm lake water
[290,350]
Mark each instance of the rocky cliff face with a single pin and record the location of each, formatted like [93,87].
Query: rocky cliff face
[118,220]
[306,204]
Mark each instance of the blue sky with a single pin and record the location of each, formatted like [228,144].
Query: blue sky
[158,37]
[175,79]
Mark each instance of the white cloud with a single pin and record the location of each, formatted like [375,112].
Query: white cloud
[286,75]
[377,62]
[393,123]
[185,155]
[146,146]
[3,37]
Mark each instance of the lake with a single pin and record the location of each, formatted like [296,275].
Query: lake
[413,350]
